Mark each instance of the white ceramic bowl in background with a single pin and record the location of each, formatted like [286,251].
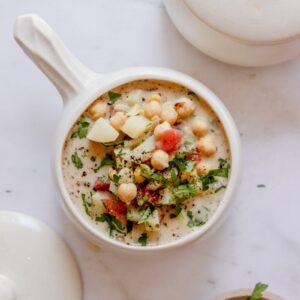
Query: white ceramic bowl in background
[79,87]
[240,32]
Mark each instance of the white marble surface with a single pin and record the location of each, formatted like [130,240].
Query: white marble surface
[259,241]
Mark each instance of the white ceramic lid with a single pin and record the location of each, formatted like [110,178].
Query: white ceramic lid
[262,21]
[35,263]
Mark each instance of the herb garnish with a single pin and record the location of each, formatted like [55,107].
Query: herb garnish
[85,205]
[116,179]
[76,160]
[142,200]
[175,178]
[208,179]
[179,162]
[144,215]
[143,239]
[185,191]
[193,222]
[106,161]
[113,97]
[82,129]
[113,223]
[257,293]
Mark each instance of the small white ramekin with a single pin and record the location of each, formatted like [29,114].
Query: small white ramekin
[79,87]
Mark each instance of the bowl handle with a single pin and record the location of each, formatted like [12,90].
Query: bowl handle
[48,52]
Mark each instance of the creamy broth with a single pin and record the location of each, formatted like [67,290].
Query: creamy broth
[196,175]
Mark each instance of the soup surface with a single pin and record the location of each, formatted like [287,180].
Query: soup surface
[147,163]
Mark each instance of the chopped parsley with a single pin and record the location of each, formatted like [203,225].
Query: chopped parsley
[116,179]
[179,162]
[193,222]
[187,142]
[208,179]
[185,191]
[175,178]
[142,200]
[143,239]
[113,97]
[85,205]
[82,129]
[106,161]
[113,223]
[144,215]
[120,153]
[76,160]
[257,293]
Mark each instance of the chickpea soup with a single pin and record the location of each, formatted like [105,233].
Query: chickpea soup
[147,163]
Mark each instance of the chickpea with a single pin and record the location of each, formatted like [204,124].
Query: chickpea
[98,110]
[118,120]
[138,178]
[111,173]
[203,167]
[127,192]
[169,114]
[160,129]
[184,107]
[155,97]
[207,145]
[200,127]
[160,160]
[152,109]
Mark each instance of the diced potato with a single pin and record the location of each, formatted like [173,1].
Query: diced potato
[113,188]
[152,223]
[134,97]
[167,197]
[144,148]
[133,214]
[123,157]
[135,110]
[102,132]
[97,203]
[135,126]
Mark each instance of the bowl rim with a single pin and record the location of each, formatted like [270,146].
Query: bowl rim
[109,81]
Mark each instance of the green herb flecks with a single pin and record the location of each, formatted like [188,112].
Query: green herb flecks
[116,179]
[175,178]
[142,200]
[85,205]
[76,160]
[144,215]
[113,223]
[185,191]
[113,97]
[143,239]
[193,222]
[179,162]
[82,129]
[257,293]
[106,161]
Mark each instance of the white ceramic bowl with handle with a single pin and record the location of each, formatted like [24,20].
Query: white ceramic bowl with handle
[79,87]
